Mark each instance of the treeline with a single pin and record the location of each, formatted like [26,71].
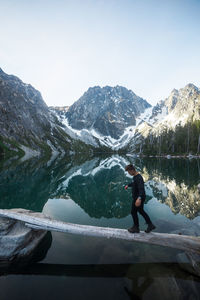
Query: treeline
[182,140]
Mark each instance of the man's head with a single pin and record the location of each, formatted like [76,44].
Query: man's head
[130,169]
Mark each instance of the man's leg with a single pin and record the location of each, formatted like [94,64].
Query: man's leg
[144,214]
[134,211]
[146,217]
[135,228]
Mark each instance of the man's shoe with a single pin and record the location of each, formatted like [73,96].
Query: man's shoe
[134,229]
[150,228]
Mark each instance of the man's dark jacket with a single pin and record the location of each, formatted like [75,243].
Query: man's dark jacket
[137,187]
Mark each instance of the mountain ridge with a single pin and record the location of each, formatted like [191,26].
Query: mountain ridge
[106,119]
[108,110]
[180,107]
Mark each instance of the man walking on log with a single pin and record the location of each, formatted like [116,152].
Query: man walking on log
[138,194]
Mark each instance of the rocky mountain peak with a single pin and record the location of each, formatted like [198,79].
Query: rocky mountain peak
[106,92]
[24,116]
[191,86]
[190,90]
[13,87]
[107,110]
[171,101]
[174,92]
[180,100]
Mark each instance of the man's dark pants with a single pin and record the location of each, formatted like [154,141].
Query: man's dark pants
[140,209]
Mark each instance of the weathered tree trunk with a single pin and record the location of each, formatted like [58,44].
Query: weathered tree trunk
[41,222]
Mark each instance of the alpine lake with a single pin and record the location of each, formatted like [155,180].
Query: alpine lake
[90,190]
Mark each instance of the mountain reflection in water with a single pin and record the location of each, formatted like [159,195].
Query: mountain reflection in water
[97,185]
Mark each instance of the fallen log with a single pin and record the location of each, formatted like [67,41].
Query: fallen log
[39,221]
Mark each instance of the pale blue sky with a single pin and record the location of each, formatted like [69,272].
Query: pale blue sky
[63,47]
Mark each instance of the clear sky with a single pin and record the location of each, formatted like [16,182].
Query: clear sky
[63,47]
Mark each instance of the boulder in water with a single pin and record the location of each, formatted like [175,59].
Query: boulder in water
[17,242]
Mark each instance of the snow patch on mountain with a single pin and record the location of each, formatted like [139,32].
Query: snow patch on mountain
[91,136]
[83,135]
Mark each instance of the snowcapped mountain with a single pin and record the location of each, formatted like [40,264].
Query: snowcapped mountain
[107,110]
[101,116]
[181,106]
[118,119]
[105,118]
[173,121]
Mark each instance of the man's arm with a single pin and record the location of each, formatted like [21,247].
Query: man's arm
[128,185]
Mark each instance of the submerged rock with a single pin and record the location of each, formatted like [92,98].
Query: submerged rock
[17,242]
[189,262]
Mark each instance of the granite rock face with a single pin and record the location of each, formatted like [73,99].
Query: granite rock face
[184,103]
[26,122]
[108,110]
[17,242]
[23,112]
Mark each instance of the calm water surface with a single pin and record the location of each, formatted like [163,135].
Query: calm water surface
[92,192]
